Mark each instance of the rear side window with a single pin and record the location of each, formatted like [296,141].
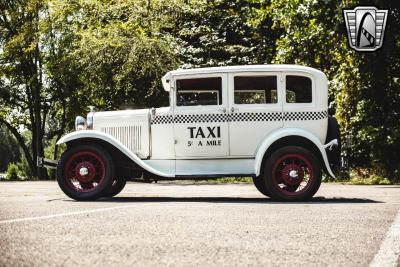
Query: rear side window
[255,90]
[199,92]
[298,89]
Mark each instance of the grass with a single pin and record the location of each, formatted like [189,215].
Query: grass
[372,180]
[230,180]
[360,177]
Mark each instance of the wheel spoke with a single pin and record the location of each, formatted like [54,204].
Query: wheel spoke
[84,171]
[292,174]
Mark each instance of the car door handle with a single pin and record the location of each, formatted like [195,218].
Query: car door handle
[223,110]
[234,109]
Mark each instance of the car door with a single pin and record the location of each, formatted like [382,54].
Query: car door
[255,110]
[200,116]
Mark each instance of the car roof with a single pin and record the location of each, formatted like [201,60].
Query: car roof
[243,68]
[269,67]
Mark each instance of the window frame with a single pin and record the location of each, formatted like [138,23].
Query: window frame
[173,92]
[277,74]
[313,94]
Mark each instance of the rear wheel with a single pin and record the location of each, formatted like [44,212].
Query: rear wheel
[292,173]
[116,187]
[85,172]
[260,185]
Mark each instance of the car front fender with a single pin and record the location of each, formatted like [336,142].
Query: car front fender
[93,134]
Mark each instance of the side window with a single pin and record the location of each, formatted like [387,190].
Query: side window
[298,89]
[255,90]
[199,92]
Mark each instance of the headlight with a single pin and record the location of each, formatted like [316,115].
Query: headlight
[89,118]
[80,123]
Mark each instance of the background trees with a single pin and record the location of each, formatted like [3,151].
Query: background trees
[57,57]
[22,76]
[7,148]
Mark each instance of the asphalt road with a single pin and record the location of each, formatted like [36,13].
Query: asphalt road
[197,225]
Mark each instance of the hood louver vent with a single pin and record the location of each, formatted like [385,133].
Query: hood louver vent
[130,136]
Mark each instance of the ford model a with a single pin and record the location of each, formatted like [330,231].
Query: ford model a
[269,122]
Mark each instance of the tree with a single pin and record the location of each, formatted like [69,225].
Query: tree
[7,149]
[21,74]
[228,32]
[58,57]
[363,86]
[119,50]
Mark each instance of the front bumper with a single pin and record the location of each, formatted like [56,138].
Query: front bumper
[46,163]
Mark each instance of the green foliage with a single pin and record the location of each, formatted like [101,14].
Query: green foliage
[364,87]
[57,57]
[119,51]
[52,151]
[229,180]
[8,149]
[22,75]
[361,176]
[12,172]
[373,180]
[217,33]
[24,170]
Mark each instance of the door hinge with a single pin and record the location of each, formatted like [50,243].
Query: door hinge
[175,141]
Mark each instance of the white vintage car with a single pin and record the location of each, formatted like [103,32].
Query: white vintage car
[269,122]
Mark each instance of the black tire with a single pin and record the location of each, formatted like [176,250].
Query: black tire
[260,185]
[282,184]
[101,168]
[116,187]
[334,155]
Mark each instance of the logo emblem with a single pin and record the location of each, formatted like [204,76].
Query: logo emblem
[365,27]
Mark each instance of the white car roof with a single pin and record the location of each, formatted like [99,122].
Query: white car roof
[244,68]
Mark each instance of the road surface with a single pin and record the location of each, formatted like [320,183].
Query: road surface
[168,224]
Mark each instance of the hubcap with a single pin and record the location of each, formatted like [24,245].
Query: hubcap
[293,174]
[83,171]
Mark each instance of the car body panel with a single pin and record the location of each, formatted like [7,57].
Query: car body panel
[286,132]
[222,139]
[93,134]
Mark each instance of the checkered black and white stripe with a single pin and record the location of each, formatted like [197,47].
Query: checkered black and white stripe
[237,117]
[305,115]
[201,118]
[163,119]
[273,116]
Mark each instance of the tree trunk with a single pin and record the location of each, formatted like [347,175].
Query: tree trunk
[21,142]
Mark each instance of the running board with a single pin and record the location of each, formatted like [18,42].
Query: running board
[46,163]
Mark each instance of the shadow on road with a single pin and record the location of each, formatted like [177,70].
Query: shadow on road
[261,200]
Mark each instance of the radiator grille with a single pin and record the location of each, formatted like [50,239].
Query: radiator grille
[130,136]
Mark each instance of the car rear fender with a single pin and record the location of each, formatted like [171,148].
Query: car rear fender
[282,133]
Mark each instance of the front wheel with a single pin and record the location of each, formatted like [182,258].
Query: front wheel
[116,187]
[292,173]
[85,172]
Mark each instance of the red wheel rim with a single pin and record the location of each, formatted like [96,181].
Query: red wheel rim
[292,174]
[84,171]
